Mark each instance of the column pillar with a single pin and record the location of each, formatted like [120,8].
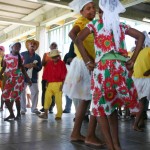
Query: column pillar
[41,37]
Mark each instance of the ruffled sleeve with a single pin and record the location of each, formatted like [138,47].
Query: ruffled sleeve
[124,27]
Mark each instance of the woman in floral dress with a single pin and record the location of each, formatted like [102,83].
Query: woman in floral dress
[77,82]
[13,70]
[111,83]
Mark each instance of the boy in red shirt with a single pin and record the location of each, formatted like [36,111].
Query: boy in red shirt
[55,73]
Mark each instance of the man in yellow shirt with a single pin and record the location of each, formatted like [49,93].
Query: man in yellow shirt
[141,77]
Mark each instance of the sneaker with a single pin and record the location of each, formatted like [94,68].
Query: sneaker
[50,111]
[18,117]
[58,118]
[22,113]
[43,116]
[42,110]
[66,111]
[36,112]
[10,117]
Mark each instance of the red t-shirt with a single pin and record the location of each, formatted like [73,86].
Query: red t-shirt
[55,72]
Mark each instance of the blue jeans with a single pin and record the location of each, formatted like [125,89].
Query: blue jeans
[68,104]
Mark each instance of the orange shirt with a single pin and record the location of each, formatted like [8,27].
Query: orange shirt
[46,59]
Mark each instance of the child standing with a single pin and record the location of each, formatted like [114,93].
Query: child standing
[14,70]
[111,84]
[45,60]
[55,73]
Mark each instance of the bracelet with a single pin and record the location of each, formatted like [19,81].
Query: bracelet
[87,63]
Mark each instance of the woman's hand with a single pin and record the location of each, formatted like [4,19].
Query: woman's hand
[30,82]
[147,73]
[90,66]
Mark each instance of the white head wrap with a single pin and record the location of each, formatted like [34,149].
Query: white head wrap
[11,45]
[147,40]
[77,5]
[111,10]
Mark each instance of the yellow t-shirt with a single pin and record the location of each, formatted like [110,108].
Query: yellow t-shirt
[142,63]
[88,42]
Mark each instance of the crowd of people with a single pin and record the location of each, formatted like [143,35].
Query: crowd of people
[97,72]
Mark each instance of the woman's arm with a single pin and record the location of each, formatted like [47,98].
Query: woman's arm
[147,73]
[3,69]
[74,33]
[79,42]
[139,36]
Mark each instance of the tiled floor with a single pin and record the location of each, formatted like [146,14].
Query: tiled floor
[33,133]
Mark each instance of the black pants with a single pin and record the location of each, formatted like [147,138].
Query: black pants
[43,96]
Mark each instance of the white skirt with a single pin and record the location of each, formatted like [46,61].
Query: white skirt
[77,82]
[143,87]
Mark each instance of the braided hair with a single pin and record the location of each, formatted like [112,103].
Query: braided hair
[19,61]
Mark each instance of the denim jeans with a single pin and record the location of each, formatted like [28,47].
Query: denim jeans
[68,104]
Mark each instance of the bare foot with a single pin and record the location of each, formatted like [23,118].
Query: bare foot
[94,141]
[77,138]
[137,129]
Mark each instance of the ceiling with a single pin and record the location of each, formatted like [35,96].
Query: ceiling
[15,10]
[135,9]
[14,13]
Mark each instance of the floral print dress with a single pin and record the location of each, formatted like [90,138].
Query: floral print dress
[111,83]
[15,80]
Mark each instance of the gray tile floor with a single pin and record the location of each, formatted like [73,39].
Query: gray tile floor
[33,133]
